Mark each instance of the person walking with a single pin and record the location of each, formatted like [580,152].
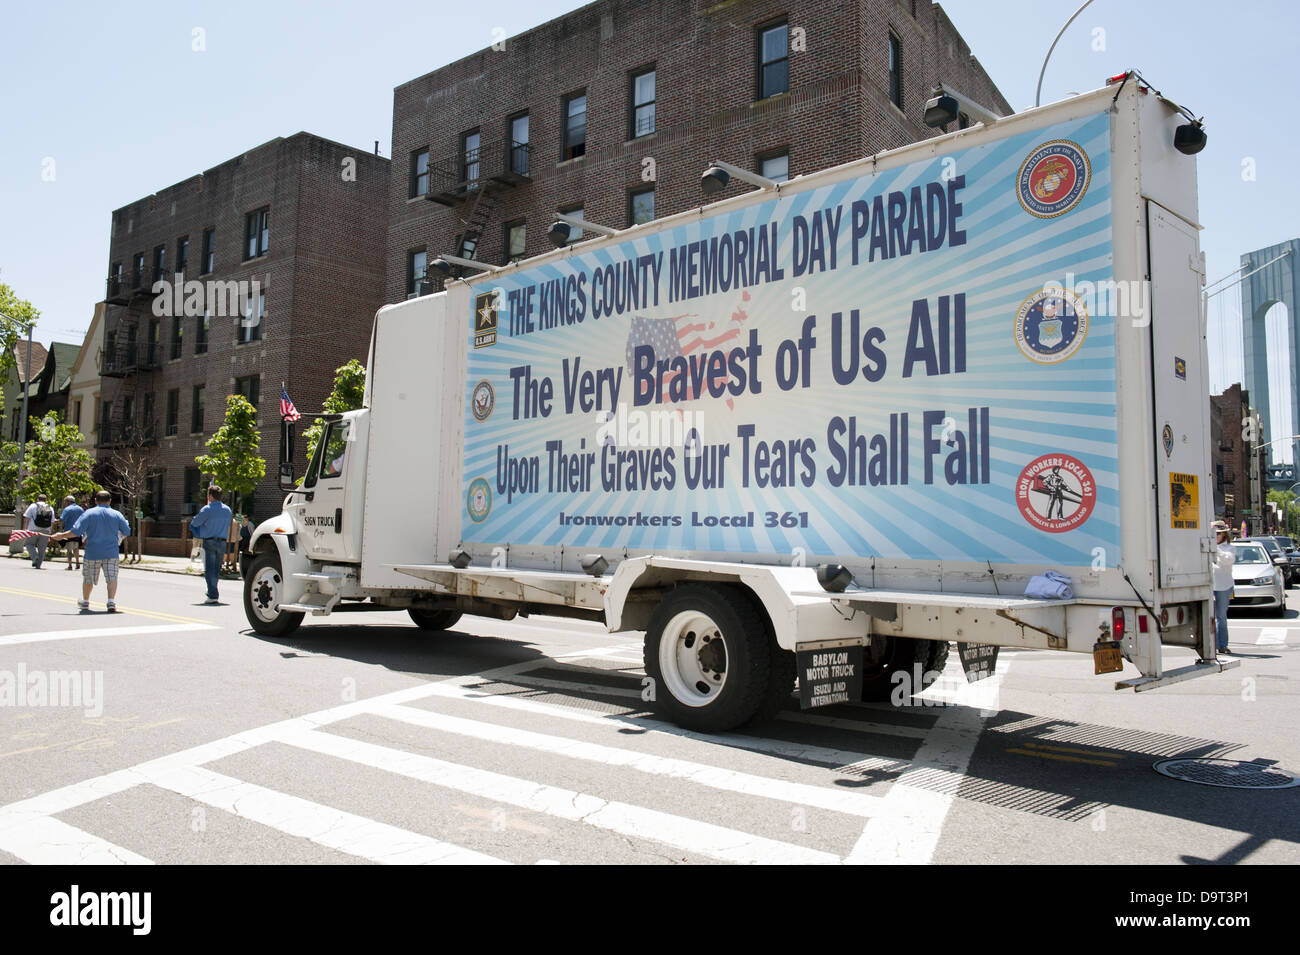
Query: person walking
[67,517]
[245,538]
[102,528]
[1224,558]
[211,525]
[40,518]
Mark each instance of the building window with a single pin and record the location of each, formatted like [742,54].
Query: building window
[115,278]
[773,60]
[516,240]
[575,232]
[775,166]
[517,160]
[643,103]
[146,419]
[192,493]
[182,253]
[178,336]
[420,173]
[417,260]
[201,329]
[76,413]
[257,233]
[469,158]
[640,206]
[250,325]
[154,493]
[173,412]
[153,353]
[248,387]
[895,71]
[105,421]
[196,411]
[575,126]
[137,271]
[209,250]
[160,263]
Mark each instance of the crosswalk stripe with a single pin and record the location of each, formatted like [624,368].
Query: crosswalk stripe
[323,825]
[41,840]
[460,689]
[856,726]
[573,686]
[858,804]
[1272,636]
[691,835]
[14,638]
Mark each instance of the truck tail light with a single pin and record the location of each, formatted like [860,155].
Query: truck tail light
[1164,617]
[1142,623]
[1117,623]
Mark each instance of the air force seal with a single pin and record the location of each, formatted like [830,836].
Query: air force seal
[1051,326]
[1053,178]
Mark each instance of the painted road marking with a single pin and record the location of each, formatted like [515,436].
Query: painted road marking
[916,806]
[99,606]
[41,637]
[718,842]
[334,828]
[1272,637]
[46,841]
[858,804]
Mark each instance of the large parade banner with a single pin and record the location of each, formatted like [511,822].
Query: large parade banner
[900,364]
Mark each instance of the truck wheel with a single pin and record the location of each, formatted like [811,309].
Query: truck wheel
[708,655]
[262,589]
[889,655]
[434,619]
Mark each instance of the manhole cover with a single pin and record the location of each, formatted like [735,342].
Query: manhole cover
[1229,773]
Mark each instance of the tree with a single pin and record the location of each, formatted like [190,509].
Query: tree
[1286,503]
[56,465]
[232,457]
[130,470]
[8,474]
[21,313]
[348,394]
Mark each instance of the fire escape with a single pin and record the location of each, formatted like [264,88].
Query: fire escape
[131,354]
[471,183]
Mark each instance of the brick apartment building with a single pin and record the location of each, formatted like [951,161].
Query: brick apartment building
[303,218]
[1238,464]
[612,113]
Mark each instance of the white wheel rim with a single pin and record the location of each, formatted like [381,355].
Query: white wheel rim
[266,594]
[693,658]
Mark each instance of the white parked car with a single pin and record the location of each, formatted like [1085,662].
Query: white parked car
[1256,582]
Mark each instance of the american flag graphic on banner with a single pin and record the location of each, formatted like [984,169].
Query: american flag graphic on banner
[681,335]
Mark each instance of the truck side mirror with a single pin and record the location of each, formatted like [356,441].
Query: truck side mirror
[286,477]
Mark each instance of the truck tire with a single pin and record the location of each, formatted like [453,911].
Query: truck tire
[890,655]
[262,589]
[434,619]
[709,658]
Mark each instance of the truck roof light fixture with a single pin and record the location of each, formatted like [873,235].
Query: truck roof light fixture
[562,228]
[834,578]
[946,105]
[719,175]
[1189,138]
[595,564]
[459,559]
[443,265]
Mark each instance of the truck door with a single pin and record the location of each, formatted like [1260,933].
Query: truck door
[329,525]
[1184,496]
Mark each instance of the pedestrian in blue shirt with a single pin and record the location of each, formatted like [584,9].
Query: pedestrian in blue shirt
[211,525]
[68,516]
[102,528]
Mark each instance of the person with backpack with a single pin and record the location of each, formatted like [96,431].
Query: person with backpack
[40,518]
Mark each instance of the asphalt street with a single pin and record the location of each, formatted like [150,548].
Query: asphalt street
[184,737]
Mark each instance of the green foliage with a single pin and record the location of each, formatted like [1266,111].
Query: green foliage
[22,313]
[8,475]
[349,391]
[56,465]
[232,457]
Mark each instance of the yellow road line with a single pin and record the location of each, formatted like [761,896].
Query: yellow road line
[1065,759]
[1073,749]
[154,614]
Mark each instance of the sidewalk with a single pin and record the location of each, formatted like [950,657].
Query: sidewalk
[161,565]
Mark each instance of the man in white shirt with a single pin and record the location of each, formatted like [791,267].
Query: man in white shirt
[40,518]
[1224,558]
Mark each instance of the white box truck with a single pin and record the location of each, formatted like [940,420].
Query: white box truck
[810,434]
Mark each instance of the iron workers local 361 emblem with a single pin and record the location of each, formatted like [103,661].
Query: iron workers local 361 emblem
[1056,493]
[478,500]
[1051,326]
[1053,178]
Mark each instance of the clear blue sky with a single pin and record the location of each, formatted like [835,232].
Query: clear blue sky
[120,101]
